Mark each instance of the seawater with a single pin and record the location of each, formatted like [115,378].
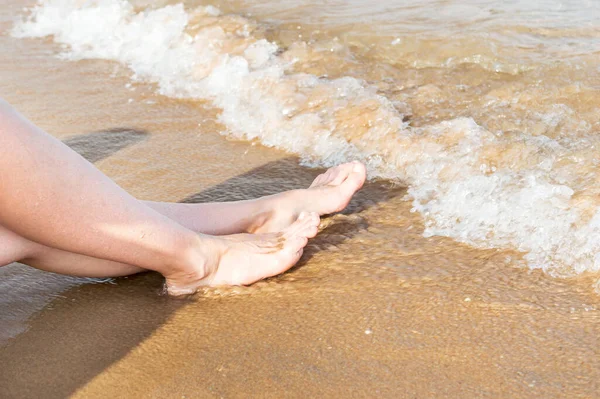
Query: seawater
[487,111]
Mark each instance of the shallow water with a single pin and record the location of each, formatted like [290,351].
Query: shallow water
[382,302]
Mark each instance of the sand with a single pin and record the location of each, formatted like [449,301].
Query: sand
[373,309]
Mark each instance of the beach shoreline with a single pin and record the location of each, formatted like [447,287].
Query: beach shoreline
[373,308]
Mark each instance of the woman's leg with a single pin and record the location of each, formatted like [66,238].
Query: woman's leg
[330,192]
[242,258]
[51,196]
[15,248]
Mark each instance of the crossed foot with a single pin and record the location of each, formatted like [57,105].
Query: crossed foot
[276,237]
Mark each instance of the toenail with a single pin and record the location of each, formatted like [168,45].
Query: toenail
[302,215]
[357,166]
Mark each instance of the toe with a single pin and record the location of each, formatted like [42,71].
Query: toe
[295,244]
[304,219]
[357,176]
[325,178]
[318,181]
[311,226]
[339,174]
[315,219]
[342,173]
[312,232]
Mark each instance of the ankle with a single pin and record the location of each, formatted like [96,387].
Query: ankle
[273,210]
[189,259]
[263,210]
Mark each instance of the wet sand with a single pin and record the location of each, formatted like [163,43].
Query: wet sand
[372,309]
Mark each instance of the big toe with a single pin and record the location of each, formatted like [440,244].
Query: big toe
[333,176]
[357,176]
[351,184]
[341,173]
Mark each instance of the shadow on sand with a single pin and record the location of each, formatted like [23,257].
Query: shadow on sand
[88,328]
[99,145]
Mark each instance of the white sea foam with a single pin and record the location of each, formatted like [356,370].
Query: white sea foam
[523,191]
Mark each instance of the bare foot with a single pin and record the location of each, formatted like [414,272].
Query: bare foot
[242,259]
[330,192]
